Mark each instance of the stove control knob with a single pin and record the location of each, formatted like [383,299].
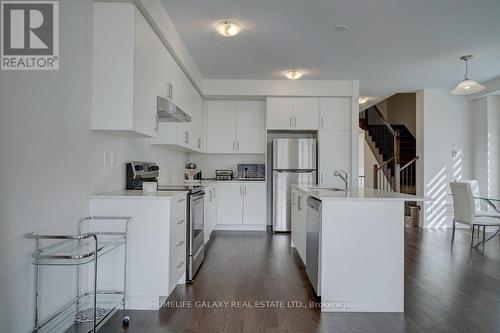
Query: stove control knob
[154,168]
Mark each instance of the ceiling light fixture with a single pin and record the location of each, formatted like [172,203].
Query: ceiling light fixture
[467,87]
[363,100]
[227,28]
[293,74]
[341,27]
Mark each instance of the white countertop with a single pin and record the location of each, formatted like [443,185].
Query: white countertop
[364,193]
[130,194]
[208,182]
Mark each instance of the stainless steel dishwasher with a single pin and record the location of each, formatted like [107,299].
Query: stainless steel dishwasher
[312,240]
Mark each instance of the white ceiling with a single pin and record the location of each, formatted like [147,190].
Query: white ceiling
[390,45]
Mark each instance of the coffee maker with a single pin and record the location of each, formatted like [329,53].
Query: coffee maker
[192,174]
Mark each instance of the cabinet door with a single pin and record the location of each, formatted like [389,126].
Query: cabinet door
[145,73]
[335,113]
[207,206]
[250,127]
[305,113]
[279,112]
[230,203]
[334,153]
[254,203]
[213,208]
[221,129]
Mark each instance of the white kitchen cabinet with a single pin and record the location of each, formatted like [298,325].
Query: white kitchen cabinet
[242,203]
[299,223]
[230,203]
[334,152]
[124,65]
[254,203]
[250,127]
[335,113]
[235,127]
[221,126]
[305,113]
[293,113]
[156,259]
[173,84]
[279,113]
[210,205]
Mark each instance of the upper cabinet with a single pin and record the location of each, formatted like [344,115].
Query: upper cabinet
[292,113]
[335,113]
[235,127]
[124,67]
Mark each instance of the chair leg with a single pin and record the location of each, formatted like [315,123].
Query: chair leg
[452,235]
[472,228]
[484,235]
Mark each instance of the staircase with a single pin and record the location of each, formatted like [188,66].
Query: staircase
[394,148]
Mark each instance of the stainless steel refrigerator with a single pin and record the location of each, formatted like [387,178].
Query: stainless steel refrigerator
[294,162]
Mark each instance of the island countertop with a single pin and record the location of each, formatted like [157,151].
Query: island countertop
[364,193]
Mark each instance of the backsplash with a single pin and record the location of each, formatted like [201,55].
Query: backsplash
[208,163]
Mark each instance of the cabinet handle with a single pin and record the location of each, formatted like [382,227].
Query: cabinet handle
[298,203]
[295,122]
[180,222]
[187,137]
[322,123]
[237,146]
[214,192]
[199,143]
[156,123]
[290,122]
[179,265]
[180,243]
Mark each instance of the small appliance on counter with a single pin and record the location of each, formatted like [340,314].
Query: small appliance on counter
[224,174]
[140,172]
[192,175]
[252,171]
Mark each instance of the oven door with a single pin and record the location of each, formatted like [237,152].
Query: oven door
[196,221]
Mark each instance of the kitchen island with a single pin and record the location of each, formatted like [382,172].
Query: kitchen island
[360,246]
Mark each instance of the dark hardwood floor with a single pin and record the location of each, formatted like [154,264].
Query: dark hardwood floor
[445,291]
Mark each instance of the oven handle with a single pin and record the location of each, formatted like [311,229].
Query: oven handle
[198,196]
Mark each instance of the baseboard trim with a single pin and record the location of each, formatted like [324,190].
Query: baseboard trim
[241,227]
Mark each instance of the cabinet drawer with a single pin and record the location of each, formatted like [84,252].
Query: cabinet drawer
[177,263]
[177,232]
[179,207]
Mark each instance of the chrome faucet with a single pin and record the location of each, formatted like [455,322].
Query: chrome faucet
[346,178]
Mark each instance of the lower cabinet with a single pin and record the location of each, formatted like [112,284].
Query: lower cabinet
[241,203]
[299,223]
[210,205]
[156,248]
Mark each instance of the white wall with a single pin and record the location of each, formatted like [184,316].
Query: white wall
[444,124]
[50,161]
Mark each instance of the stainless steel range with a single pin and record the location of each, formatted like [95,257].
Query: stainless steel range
[139,172]
[195,248]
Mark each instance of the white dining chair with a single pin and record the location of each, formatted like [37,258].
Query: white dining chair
[494,212]
[465,212]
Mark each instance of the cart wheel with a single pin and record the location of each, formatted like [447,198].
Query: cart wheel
[126,321]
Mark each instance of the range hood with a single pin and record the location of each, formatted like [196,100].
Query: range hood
[169,112]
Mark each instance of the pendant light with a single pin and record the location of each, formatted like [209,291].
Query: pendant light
[467,87]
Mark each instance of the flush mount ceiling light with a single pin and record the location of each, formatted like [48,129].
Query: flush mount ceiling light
[341,27]
[227,28]
[363,100]
[293,74]
[467,87]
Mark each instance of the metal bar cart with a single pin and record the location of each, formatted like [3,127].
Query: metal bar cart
[90,309]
